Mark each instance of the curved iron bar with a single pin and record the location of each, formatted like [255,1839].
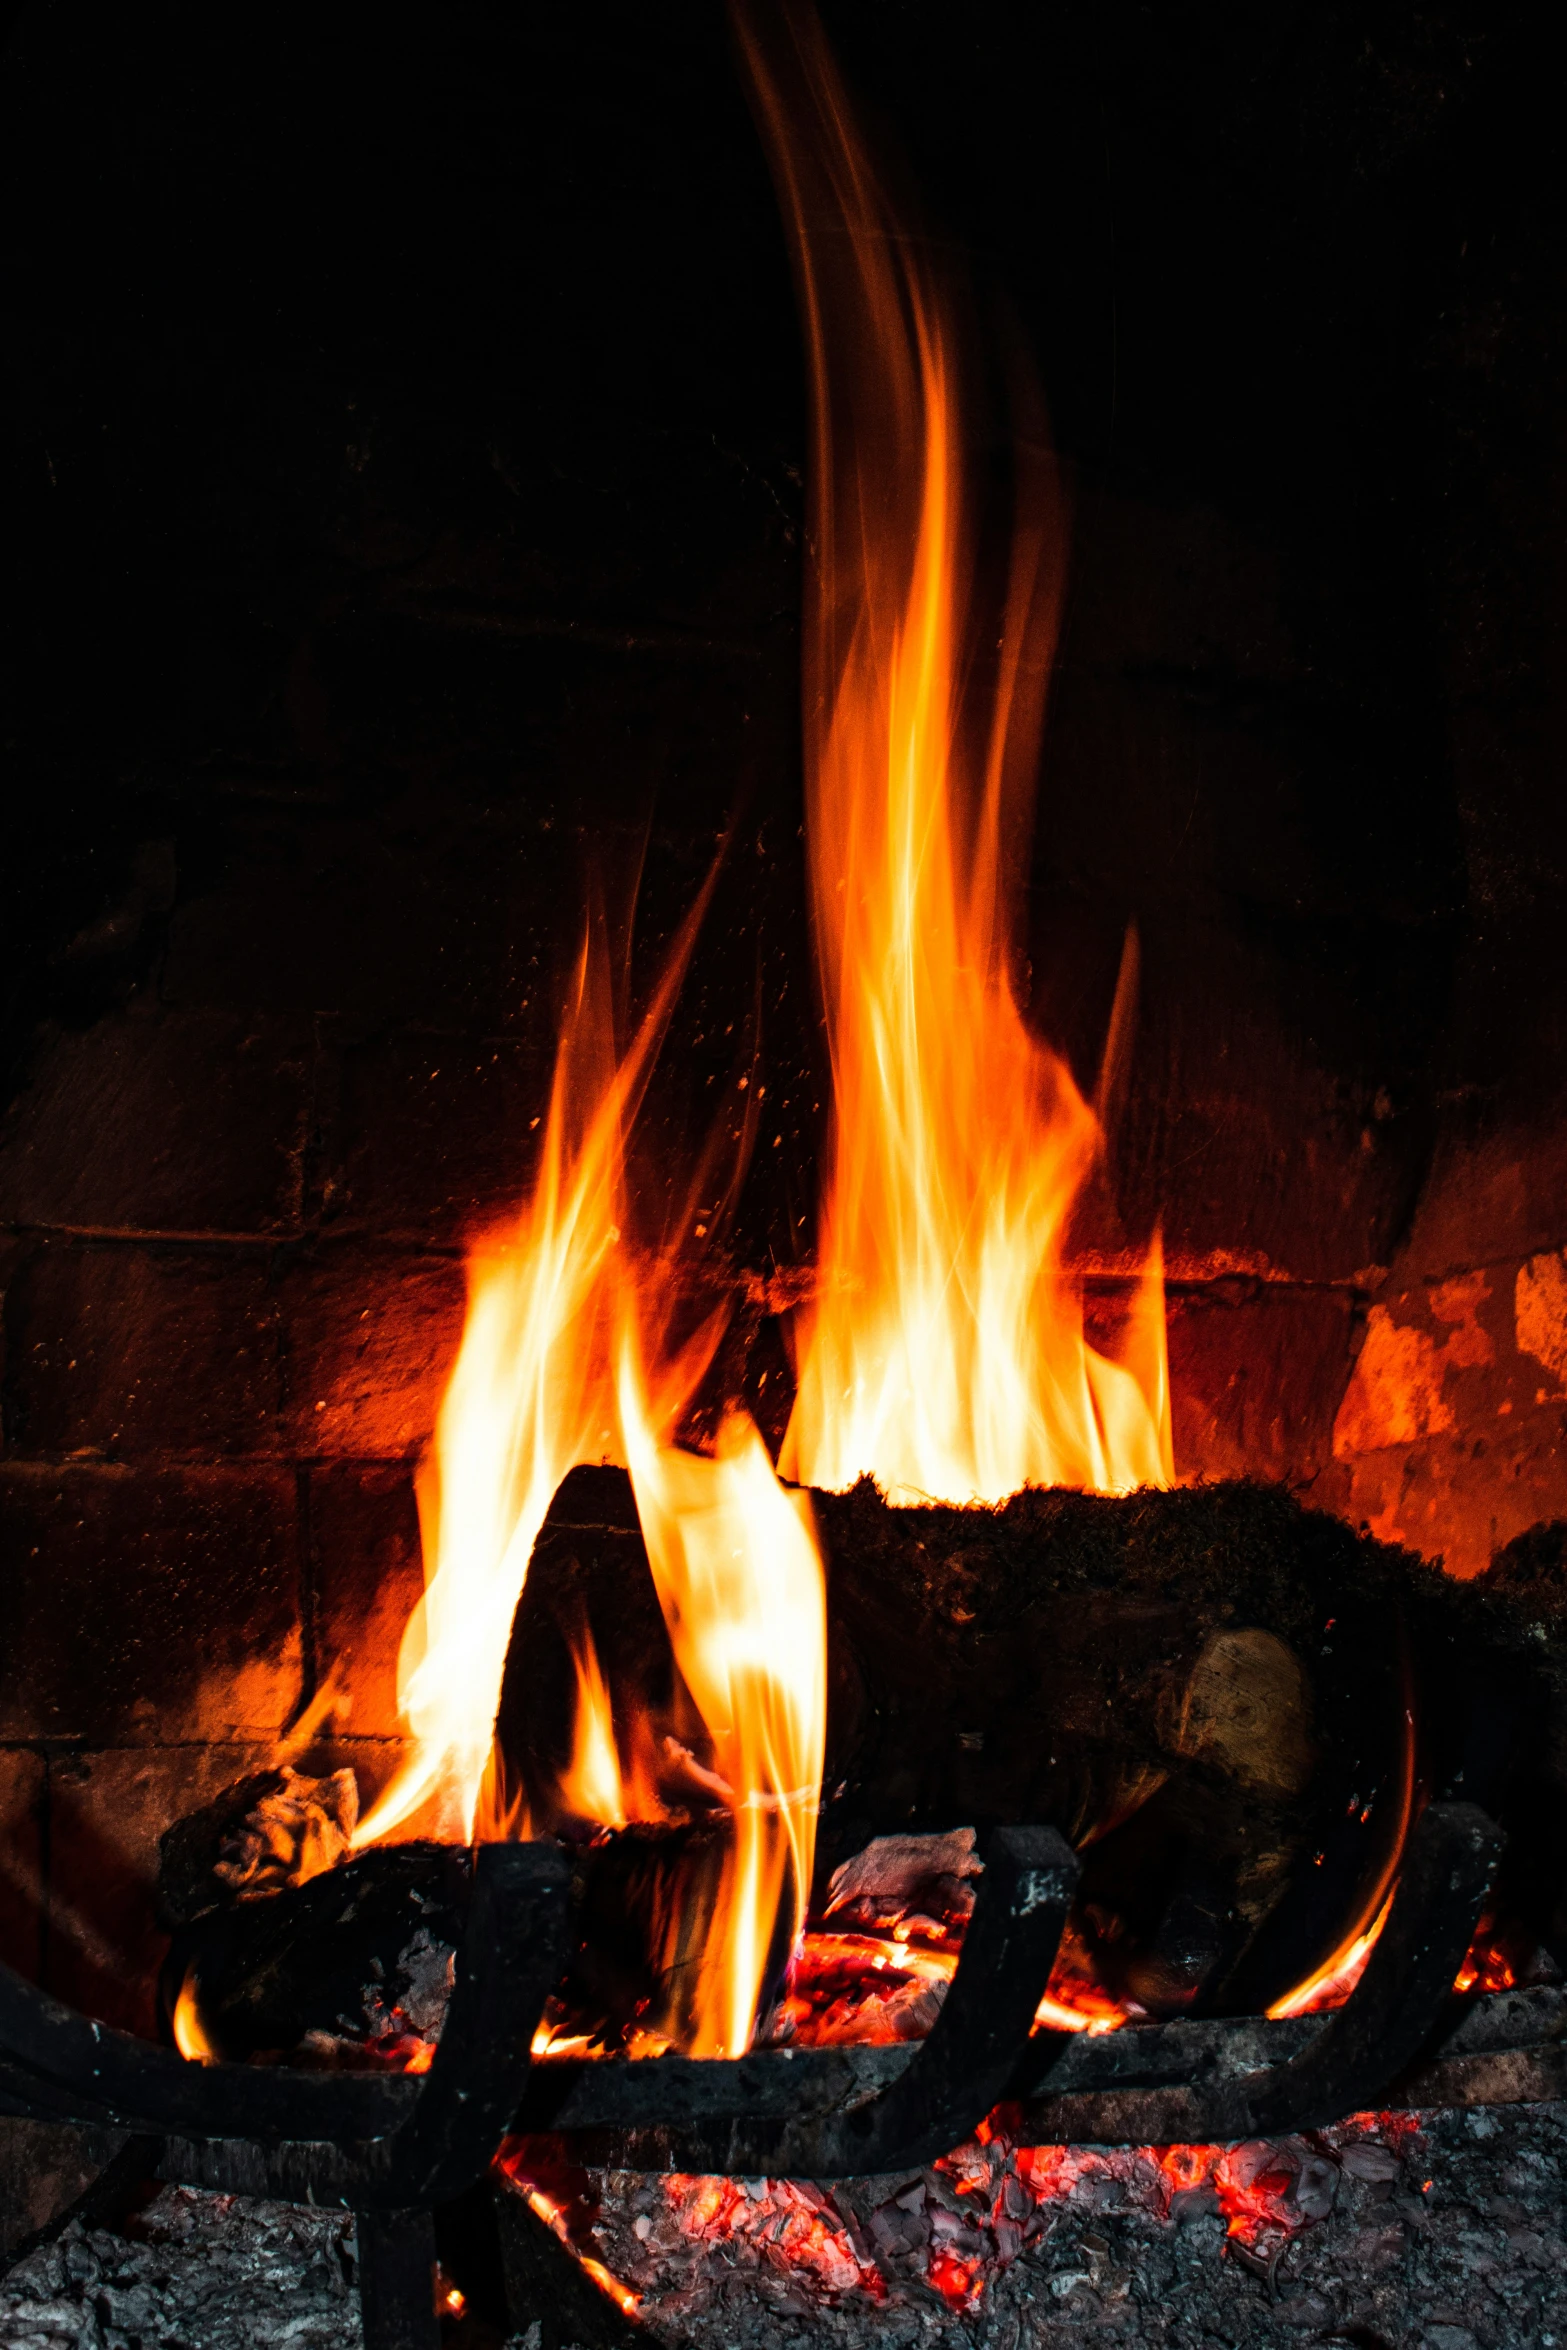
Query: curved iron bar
[390,2133]
[964,2066]
[1350,2058]
[90,2072]
[815,2113]
[1181,2082]
[921,2105]
[1394,2008]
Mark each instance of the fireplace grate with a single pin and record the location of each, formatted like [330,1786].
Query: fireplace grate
[396,2148]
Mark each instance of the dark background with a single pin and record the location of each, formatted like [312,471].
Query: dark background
[402,431]
[330,337]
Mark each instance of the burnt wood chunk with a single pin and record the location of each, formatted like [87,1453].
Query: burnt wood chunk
[319,1958]
[267,1831]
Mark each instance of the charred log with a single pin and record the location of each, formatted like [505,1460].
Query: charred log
[355,1967]
[1229,1703]
[360,1954]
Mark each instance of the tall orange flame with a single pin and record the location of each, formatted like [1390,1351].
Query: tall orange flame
[591,1785]
[944,1353]
[566,1356]
[739,1579]
[532,1393]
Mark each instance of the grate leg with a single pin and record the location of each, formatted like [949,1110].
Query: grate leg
[396,2280]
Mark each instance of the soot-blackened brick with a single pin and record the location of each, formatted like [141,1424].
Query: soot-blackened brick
[441,915]
[106,1813]
[1257,1372]
[143,1606]
[1489,1197]
[364,1534]
[1237,1141]
[21,1858]
[175,1122]
[370,1339]
[436,1135]
[126,1350]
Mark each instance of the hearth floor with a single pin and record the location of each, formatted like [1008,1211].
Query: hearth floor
[1455,2241]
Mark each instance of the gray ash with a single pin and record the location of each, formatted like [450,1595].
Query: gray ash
[201,2272]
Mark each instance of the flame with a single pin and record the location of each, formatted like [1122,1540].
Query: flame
[739,1579]
[566,1355]
[944,1353]
[591,1787]
[554,2214]
[190,2036]
[1335,1979]
[530,1396]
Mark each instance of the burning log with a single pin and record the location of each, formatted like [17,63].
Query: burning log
[1227,1702]
[1231,1704]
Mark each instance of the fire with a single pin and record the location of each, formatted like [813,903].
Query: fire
[1338,1974]
[944,1353]
[566,1356]
[1489,1963]
[591,1787]
[190,2036]
[531,1394]
[555,2215]
[739,1579]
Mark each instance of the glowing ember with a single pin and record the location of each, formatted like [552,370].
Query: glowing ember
[952,2227]
[880,1988]
[1492,1960]
[944,1353]
[794,2224]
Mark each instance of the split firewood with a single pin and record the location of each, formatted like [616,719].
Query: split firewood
[906,1876]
